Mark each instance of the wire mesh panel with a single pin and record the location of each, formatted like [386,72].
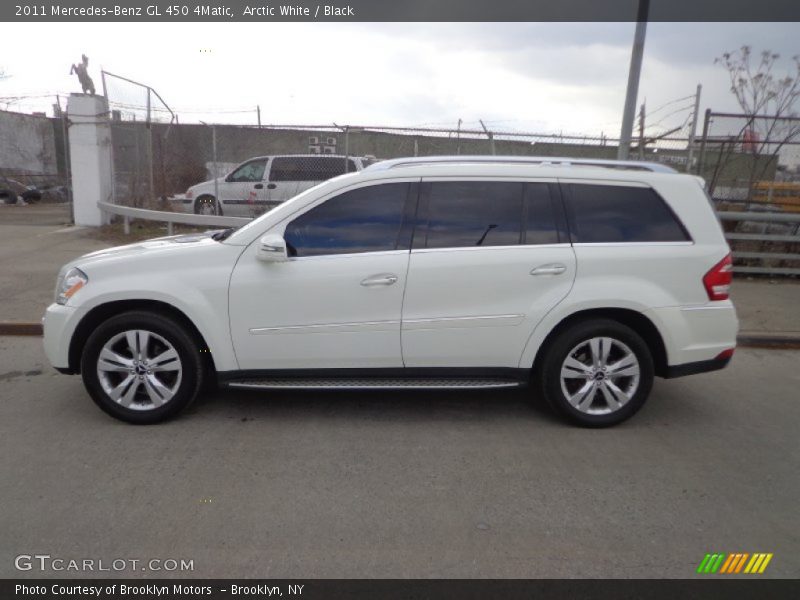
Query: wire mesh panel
[741,152]
[135,110]
[752,165]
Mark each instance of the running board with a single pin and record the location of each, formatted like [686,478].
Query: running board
[373,383]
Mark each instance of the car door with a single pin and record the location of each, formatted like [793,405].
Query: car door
[244,186]
[336,301]
[490,258]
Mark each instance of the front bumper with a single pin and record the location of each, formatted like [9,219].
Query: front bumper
[59,324]
[180,203]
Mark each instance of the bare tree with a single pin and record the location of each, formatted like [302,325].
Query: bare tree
[768,104]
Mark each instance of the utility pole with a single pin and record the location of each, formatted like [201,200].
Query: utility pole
[633,80]
[458,138]
[693,130]
[641,132]
[258,111]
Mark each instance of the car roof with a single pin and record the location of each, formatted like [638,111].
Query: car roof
[342,156]
[519,166]
[624,165]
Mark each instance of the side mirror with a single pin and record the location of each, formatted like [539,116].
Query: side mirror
[272,248]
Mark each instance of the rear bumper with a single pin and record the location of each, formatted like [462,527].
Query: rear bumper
[696,334]
[693,368]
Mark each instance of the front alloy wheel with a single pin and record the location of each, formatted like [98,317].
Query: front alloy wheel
[142,367]
[139,369]
[206,205]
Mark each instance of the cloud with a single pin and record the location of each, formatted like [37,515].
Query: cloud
[524,76]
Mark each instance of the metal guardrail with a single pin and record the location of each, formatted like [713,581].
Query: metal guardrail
[766,217]
[128,213]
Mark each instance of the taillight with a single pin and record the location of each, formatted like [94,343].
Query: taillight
[718,280]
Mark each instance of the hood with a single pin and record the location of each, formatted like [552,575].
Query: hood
[203,185]
[163,246]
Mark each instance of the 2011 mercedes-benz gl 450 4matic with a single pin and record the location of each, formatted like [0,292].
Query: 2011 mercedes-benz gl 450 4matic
[582,279]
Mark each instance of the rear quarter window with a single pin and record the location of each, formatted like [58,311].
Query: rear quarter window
[614,214]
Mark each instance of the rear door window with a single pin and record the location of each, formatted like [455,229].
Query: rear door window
[463,214]
[474,213]
[614,214]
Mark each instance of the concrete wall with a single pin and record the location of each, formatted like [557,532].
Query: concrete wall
[179,154]
[28,144]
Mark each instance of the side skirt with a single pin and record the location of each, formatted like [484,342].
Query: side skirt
[400,378]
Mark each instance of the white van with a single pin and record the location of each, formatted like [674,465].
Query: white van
[263,182]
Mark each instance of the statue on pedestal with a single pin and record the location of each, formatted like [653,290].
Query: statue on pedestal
[83,75]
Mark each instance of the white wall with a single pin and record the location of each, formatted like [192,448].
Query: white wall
[90,157]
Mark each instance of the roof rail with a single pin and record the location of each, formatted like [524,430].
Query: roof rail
[633,165]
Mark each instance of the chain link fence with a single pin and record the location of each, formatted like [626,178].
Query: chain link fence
[243,170]
[751,166]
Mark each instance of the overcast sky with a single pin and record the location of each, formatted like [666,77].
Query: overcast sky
[543,77]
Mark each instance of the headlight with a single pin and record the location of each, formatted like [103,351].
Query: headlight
[74,280]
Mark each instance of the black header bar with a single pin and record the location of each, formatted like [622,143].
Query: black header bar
[396,10]
[398,589]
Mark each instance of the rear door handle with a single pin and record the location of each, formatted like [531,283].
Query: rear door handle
[550,269]
[382,279]
[271,186]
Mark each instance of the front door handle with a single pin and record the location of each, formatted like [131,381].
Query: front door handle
[259,186]
[382,279]
[550,269]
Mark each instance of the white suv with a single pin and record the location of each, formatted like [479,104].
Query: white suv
[584,279]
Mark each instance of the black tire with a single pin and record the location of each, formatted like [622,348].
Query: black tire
[186,385]
[8,197]
[548,381]
[31,196]
[204,202]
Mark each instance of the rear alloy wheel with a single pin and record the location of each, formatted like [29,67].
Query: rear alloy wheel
[141,367]
[597,373]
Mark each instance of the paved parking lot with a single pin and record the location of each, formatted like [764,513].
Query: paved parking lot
[446,484]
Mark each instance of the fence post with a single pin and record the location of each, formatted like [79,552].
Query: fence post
[149,126]
[169,227]
[693,130]
[490,135]
[126,224]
